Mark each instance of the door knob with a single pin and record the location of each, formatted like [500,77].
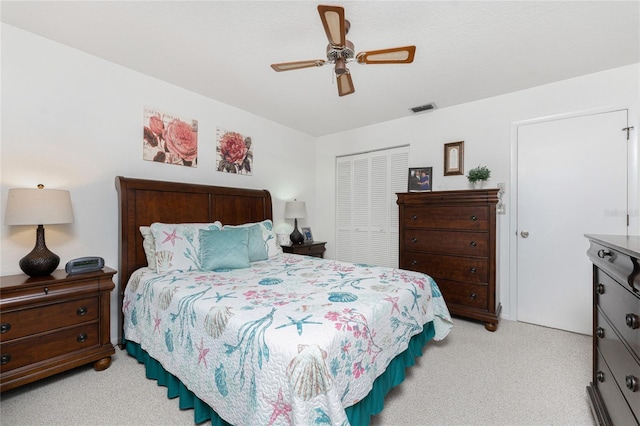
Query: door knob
[524,234]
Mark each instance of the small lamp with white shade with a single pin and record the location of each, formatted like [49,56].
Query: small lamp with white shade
[38,207]
[295,210]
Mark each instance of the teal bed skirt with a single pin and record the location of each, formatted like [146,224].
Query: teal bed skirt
[358,414]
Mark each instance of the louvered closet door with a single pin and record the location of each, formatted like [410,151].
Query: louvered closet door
[366,209]
[344,200]
[398,181]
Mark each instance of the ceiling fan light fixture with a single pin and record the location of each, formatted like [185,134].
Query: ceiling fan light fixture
[341,66]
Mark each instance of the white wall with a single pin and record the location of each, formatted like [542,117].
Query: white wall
[485,126]
[74,121]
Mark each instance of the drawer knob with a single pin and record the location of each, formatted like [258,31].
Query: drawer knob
[600,288]
[82,311]
[82,338]
[414,262]
[473,244]
[631,383]
[5,358]
[414,217]
[473,218]
[600,376]
[473,296]
[473,270]
[414,240]
[4,327]
[600,332]
[602,253]
[632,321]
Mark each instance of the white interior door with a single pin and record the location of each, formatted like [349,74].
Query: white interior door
[571,180]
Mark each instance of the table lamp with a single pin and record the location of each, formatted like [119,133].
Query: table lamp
[295,210]
[38,207]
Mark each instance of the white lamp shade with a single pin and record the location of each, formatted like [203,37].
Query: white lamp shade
[38,207]
[295,210]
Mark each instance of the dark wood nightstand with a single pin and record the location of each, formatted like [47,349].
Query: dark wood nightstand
[315,249]
[52,324]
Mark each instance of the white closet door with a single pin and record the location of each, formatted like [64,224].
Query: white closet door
[366,208]
[379,210]
[398,166]
[344,200]
[360,240]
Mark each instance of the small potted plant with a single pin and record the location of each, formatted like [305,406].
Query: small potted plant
[478,175]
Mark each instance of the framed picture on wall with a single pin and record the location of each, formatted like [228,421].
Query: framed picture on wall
[308,237]
[420,179]
[454,158]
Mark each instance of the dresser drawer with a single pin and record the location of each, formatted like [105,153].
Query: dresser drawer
[621,307]
[21,352]
[23,322]
[442,266]
[467,294]
[617,407]
[624,367]
[474,218]
[616,264]
[447,242]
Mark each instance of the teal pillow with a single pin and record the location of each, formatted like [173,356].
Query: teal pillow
[226,249]
[257,249]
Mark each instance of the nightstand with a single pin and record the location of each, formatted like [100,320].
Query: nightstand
[52,324]
[315,249]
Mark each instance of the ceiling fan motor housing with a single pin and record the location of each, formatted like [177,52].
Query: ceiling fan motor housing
[345,52]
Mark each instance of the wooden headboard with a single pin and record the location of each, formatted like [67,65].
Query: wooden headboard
[142,202]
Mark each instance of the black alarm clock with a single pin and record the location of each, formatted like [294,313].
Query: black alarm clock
[84,264]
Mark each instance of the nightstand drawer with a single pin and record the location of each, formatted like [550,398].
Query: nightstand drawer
[21,352]
[474,218]
[441,266]
[447,242]
[315,249]
[23,322]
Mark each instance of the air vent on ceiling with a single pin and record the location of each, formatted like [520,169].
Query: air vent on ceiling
[424,108]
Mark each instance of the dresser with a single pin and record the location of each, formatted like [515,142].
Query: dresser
[451,236]
[614,393]
[52,324]
[315,249]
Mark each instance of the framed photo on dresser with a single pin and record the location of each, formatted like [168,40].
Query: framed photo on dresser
[420,179]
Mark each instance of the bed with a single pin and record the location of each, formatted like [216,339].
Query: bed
[245,334]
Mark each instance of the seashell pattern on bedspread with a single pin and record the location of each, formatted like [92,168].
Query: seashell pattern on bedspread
[290,340]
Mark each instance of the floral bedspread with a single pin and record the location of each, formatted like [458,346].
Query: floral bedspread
[291,340]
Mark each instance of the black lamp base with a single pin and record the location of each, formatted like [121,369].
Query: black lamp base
[296,236]
[40,262]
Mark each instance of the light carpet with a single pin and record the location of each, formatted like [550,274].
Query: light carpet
[521,374]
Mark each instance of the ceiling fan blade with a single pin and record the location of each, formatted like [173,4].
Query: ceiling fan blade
[345,84]
[334,24]
[288,66]
[397,55]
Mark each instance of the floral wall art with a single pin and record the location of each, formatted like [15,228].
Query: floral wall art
[170,139]
[234,153]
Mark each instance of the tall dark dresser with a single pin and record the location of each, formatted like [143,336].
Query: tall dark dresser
[614,393]
[451,236]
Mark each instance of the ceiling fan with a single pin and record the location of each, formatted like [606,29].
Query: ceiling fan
[340,51]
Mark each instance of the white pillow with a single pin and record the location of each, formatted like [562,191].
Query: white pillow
[149,245]
[268,235]
[178,246]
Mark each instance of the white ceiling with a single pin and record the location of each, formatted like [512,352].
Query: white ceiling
[466,50]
